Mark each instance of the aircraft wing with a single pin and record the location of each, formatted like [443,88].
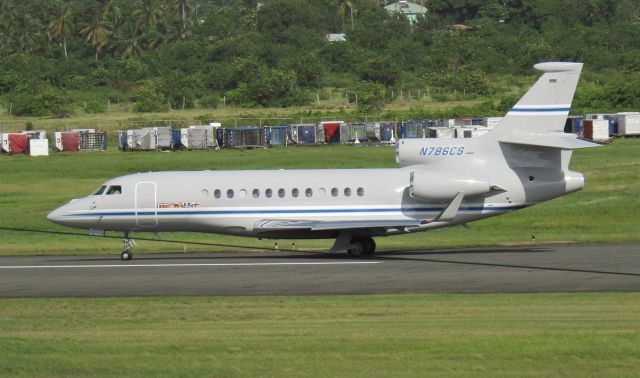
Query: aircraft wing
[281,225]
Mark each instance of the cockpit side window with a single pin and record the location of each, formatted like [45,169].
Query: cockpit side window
[100,190]
[114,189]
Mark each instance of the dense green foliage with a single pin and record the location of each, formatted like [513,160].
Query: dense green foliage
[165,54]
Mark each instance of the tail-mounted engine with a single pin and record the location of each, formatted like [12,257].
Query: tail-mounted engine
[440,186]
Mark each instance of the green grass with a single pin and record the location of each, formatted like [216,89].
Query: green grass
[605,211]
[584,334]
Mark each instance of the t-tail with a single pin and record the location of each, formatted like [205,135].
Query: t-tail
[526,155]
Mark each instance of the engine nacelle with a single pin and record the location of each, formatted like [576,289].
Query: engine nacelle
[440,186]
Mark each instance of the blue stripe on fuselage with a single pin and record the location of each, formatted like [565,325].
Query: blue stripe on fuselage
[271,212]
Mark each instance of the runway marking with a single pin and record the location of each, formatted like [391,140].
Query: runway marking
[183,265]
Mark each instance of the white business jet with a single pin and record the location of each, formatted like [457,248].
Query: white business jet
[524,160]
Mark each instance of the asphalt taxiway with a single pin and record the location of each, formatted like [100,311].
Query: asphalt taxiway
[611,267]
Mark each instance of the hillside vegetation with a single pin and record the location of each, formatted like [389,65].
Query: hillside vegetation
[73,57]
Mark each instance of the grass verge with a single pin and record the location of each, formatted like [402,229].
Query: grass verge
[574,334]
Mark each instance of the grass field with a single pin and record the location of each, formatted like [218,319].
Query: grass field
[606,211]
[576,335]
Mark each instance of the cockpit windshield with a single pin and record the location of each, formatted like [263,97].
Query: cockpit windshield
[114,189]
[100,190]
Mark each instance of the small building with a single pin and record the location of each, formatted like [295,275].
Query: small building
[336,37]
[410,10]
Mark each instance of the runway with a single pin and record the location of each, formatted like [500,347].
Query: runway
[613,267]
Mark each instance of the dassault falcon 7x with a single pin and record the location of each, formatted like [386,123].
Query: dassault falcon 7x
[524,160]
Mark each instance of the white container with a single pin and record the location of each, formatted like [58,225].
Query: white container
[4,139]
[57,138]
[600,129]
[628,123]
[491,122]
[38,147]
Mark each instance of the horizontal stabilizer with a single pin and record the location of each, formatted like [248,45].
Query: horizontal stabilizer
[554,140]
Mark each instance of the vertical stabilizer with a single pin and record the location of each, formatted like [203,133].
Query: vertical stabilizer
[539,117]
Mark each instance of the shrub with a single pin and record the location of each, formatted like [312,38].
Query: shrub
[44,100]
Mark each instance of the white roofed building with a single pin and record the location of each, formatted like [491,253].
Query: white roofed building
[410,10]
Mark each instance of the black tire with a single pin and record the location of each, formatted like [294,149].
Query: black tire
[358,248]
[369,246]
[126,255]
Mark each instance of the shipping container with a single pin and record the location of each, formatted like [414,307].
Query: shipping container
[93,141]
[278,135]
[441,132]
[628,123]
[139,139]
[388,132]
[357,132]
[491,122]
[38,147]
[600,131]
[67,141]
[587,129]
[303,134]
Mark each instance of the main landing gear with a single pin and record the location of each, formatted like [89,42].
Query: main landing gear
[362,247]
[127,246]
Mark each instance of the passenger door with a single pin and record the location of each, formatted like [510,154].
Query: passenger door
[145,202]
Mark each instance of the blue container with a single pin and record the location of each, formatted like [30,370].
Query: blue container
[175,139]
[386,131]
[613,124]
[577,125]
[307,134]
[122,140]
[278,134]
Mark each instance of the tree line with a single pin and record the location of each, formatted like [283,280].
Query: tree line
[178,53]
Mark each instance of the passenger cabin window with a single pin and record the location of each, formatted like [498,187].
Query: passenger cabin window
[334,192]
[360,192]
[230,193]
[308,192]
[294,192]
[114,189]
[256,193]
[268,193]
[100,190]
[281,193]
[347,192]
[217,193]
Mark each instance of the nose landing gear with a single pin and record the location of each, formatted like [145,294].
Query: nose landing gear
[127,246]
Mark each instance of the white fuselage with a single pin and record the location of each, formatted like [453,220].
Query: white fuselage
[245,202]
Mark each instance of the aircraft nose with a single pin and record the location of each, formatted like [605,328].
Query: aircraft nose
[56,215]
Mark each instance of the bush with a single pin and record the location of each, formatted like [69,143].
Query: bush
[149,99]
[44,100]
[371,96]
[95,107]
[210,101]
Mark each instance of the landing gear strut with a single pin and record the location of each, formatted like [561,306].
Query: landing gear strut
[362,247]
[127,246]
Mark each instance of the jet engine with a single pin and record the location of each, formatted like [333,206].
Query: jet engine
[440,186]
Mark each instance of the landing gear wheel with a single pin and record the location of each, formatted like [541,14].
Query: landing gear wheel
[357,248]
[126,255]
[369,246]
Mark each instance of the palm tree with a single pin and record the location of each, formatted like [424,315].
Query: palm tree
[96,33]
[345,7]
[111,10]
[148,14]
[61,27]
[182,8]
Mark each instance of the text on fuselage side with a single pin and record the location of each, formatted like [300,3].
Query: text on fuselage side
[442,151]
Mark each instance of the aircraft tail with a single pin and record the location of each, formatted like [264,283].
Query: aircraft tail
[539,117]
